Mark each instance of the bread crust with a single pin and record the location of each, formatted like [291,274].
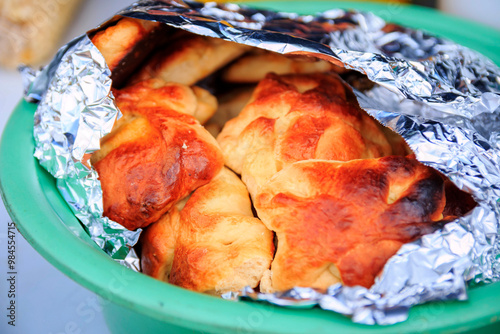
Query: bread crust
[341,221]
[155,155]
[336,187]
[218,245]
[329,180]
[129,32]
[255,65]
[189,59]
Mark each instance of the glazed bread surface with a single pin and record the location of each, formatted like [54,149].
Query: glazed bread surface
[256,64]
[129,32]
[299,117]
[213,244]
[194,100]
[156,154]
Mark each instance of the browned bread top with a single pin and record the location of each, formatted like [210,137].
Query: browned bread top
[343,220]
[298,117]
[156,154]
[189,59]
[212,244]
[256,64]
[336,187]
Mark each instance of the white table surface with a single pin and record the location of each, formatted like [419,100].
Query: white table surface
[47,302]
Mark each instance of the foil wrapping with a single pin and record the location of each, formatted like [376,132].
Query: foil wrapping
[441,97]
[76,110]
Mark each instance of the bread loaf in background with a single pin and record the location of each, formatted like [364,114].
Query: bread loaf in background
[210,243]
[30,30]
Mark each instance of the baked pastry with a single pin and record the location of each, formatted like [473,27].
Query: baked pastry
[126,43]
[156,154]
[206,105]
[189,59]
[341,221]
[31,30]
[334,185]
[194,101]
[212,243]
[298,117]
[256,64]
[229,106]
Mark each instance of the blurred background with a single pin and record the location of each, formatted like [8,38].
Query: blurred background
[30,33]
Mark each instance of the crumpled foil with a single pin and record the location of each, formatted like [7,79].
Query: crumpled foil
[77,110]
[443,98]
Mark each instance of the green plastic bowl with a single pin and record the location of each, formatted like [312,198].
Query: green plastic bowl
[136,303]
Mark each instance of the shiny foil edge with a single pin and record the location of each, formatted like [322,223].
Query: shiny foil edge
[468,246]
[75,112]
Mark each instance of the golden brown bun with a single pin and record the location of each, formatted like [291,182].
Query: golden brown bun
[128,32]
[156,154]
[298,117]
[254,66]
[219,245]
[343,220]
[31,30]
[158,245]
[229,106]
[194,101]
[206,104]
[189,59]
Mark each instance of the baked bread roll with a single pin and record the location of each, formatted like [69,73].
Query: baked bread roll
[189,59]
[341,221]
[299,117]
[129,32]
[255,65]
[156,154]
[194,101]
[31,30]
[212,244]
[229,106]
[337,187]
[332,183]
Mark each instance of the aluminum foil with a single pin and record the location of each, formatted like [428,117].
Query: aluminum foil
[441,97]
[76,110]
